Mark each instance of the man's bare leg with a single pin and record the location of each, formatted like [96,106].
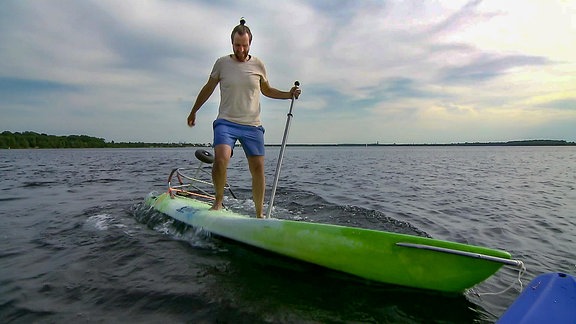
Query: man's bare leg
[222,154]
[256,164]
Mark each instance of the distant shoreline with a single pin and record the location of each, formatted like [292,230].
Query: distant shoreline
[508,143]
[32,140]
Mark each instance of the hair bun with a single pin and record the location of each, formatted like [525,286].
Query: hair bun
[242,21]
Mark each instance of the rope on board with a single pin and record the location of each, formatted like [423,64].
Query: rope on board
[521,271]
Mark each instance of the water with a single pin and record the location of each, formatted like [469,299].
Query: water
[77,244]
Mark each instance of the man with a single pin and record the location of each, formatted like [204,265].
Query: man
[241,77]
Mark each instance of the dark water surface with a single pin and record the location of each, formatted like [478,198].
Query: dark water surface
[77,244]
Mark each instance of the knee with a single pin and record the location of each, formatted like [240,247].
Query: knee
[257,169]
[222,155]
[257,166]
[221,162]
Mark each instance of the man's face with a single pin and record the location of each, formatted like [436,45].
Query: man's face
[241,46]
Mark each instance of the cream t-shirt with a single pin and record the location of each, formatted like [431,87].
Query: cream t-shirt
[239,89]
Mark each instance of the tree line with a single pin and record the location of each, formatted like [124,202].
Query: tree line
[28,140]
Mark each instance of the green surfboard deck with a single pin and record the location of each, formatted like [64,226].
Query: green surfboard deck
[365,253]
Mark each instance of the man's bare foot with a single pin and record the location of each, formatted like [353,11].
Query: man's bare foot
[216,206]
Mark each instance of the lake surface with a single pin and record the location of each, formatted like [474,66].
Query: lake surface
[77,244]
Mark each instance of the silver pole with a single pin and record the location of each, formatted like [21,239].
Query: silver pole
[463,253]
[281,156]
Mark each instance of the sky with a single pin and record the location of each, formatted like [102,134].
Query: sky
[386,71]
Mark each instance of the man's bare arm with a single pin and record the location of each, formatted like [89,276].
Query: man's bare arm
[274,93]
[203,96]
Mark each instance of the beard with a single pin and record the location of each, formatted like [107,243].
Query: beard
[241,56]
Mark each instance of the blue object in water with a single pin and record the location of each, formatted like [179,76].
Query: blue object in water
[549,298]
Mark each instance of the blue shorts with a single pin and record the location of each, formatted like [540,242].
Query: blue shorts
[251,137]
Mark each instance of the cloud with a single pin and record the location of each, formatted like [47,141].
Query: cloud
[130,70]
[561,104]
[487,67]
[18,86]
